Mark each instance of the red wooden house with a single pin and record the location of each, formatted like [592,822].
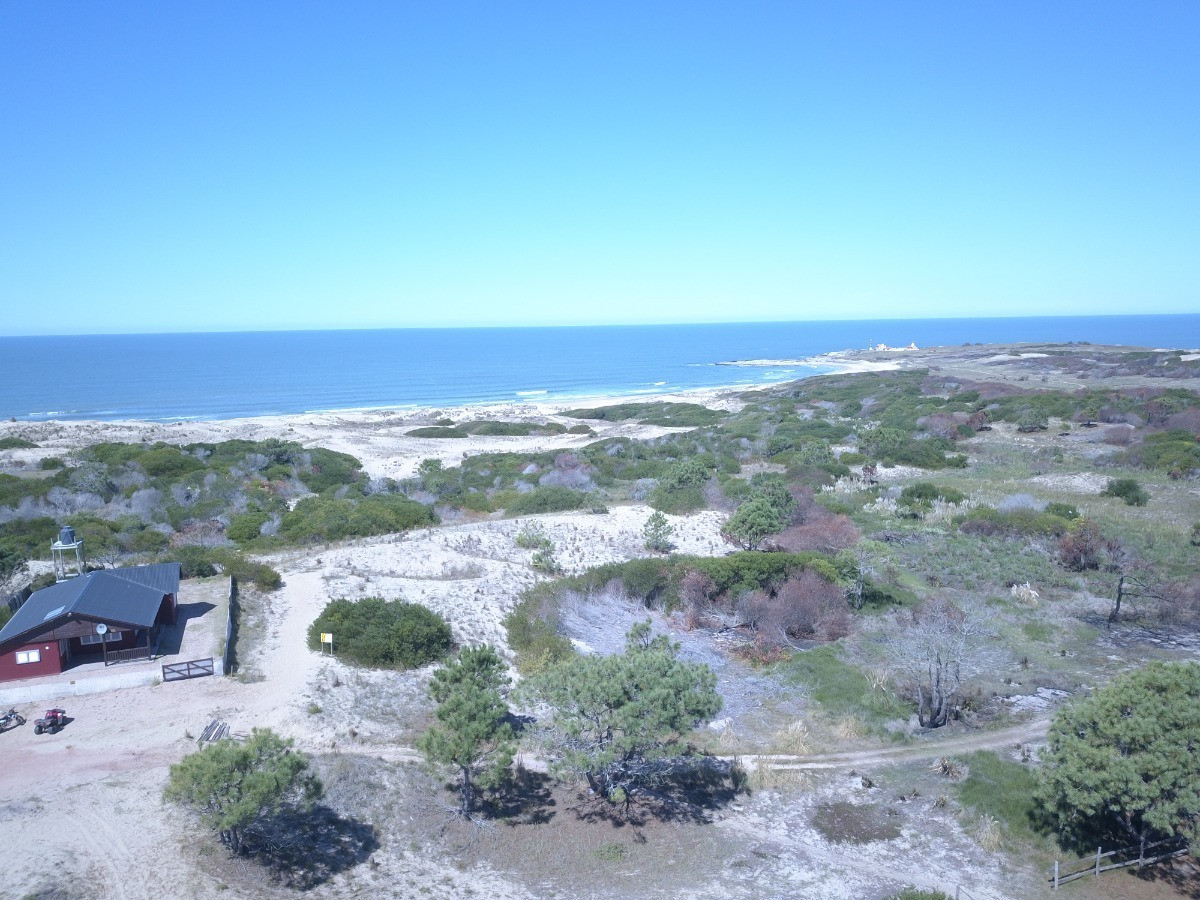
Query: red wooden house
[57,626]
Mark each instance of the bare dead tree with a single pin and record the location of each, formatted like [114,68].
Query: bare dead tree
[934,653]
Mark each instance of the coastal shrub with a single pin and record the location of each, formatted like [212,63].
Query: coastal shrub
[1128,490]
[204,562]
[247,526]
[545,500]
[492,428]
[543,561]
[437,431]
[532,629]
[922,494]
[382,633]
[531,537]
[13,442]
[1063,511]
[893,446]
[327,519]
[988,522]
[670,415]
[51,462]
[679,490]
[1176,451]
[328,469]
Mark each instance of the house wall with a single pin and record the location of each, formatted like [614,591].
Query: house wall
[124,640]
[51,662]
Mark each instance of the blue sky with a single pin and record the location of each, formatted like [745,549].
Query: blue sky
[228,166]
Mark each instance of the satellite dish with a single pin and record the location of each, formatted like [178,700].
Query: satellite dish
[101,628]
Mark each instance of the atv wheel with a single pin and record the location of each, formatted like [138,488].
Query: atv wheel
[37,729]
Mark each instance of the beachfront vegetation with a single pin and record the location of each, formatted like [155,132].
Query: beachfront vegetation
[471,742]
[238,787]
[1121,763]
[387,634]
[614,716]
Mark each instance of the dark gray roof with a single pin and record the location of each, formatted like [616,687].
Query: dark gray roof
[130,596]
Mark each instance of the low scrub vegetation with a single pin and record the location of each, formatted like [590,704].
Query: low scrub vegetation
[388,634]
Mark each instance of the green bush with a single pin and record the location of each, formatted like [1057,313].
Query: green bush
[922,494]
[1063,511]
[671,415]
[204,562]
[247,526]
[679,489]
[532,629]
[437,431]
[1128,490]
[326,519]
[50,462]
[545,500]
[163,461]
[533,538]
[1177,452]
[16,443]
[986,521]
[382,633]
[328,469]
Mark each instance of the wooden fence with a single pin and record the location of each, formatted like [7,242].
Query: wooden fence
[120,656]
[194,668]
[229,657]
[1169,848]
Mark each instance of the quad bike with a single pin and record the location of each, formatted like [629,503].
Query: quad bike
[9,717]
[51,722]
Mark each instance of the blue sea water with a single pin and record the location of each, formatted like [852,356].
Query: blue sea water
[226,375]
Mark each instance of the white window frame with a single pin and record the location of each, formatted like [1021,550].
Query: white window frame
[29,656]
[114,635]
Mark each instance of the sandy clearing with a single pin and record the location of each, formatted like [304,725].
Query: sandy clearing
[1074,483]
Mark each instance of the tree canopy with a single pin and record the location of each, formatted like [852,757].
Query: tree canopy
[471,739]
[235,787]
[1124,759]
[614,715]
[754,520]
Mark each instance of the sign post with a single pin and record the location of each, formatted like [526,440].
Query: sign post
[102,630]
[327,638]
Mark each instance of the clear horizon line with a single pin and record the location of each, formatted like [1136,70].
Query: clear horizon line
[591,325]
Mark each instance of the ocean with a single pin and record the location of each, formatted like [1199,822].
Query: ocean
[168,377]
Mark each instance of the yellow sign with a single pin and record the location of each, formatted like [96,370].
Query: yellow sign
[326,637]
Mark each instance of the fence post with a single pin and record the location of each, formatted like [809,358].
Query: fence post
[1097,862]
[1056,874]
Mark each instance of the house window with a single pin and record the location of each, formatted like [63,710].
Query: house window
[114,635]
[28,656]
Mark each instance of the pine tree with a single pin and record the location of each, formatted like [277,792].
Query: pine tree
[235,787]
[614,716]
[472,741]
[657,533]
[1124,759]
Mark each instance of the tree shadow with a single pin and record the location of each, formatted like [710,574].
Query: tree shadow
[685,791]
[1182,875]
[522,798]
[304,849]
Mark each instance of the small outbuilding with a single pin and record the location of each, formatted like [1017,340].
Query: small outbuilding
[110,614]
